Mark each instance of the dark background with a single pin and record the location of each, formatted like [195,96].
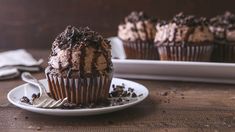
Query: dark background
[34,24]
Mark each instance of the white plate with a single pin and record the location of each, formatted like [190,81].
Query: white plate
[27,90]
[170,70]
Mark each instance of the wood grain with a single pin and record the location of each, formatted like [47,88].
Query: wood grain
[35,24]
[171,106]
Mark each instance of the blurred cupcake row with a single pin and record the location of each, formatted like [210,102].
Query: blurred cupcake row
[183,38]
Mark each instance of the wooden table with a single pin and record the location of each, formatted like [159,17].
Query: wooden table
[171,106]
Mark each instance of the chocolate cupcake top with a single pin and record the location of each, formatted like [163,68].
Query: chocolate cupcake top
[183,29]
[223,26]
[137,26]
[79,51]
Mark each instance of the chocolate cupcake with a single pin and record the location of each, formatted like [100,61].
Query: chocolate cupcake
[223,28]
[184,38]
[137,34]
[80,66]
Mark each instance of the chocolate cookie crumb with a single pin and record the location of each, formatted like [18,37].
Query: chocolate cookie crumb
[133,95]
[164,93]
[38,128]
[34,96]
[131,89]
[119,100]
[91,105]
[118,96]
[25,99]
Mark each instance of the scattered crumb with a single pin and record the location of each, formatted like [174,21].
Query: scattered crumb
[224,123]
[164,93]
[34,96]
[38,128]
[25,99]
[118,96]
[168,101]
[133,95]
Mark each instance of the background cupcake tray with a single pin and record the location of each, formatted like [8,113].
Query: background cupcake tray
[170,70]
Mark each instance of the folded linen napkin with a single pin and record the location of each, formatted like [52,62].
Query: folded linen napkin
[15,61]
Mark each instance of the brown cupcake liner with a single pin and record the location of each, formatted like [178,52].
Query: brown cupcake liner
[140,50]
[80,90]
[186,52]
[224,52]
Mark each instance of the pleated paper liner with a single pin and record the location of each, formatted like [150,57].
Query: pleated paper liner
[140,50]
[186,52]
[80,90]
[224,52]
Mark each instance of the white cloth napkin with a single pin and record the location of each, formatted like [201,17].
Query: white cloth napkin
[12,62]
[117,48]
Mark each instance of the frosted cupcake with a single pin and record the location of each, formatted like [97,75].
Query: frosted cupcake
[223,28]
[137,33]
[80,66]
[184,38]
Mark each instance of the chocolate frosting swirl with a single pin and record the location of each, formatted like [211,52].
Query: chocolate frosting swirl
[80,50]
[183,29]
[227,20]
[138,16]
[137,26]
[223,26]
[190,20]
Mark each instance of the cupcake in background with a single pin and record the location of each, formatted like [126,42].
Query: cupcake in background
[137,34]
[184,38]
[223,28]
[80,66]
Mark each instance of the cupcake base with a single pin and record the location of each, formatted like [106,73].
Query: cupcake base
[87,90]
[140,50]
[224,52]
[190,52]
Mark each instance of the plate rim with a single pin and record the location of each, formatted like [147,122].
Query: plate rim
[34,109]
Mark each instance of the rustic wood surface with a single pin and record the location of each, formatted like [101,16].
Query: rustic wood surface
[171,106]
[35,23]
